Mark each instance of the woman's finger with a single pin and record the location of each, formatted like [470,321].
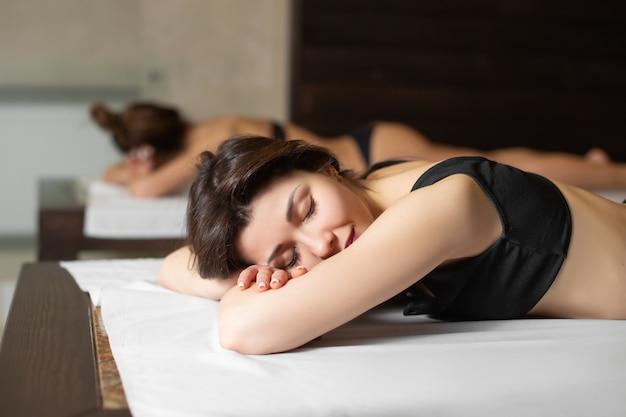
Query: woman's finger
[298,272]
[247,277]
[279,278]
[263,277]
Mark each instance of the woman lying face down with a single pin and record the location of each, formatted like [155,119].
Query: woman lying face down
[310,247]
[161,147]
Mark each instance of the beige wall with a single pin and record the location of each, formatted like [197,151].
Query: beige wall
[210,57]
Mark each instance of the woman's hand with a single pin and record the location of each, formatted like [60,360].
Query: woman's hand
[267,277]
[139,161]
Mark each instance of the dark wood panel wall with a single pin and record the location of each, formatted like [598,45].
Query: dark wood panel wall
[549,74]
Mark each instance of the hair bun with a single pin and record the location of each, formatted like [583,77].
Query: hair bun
[104,117]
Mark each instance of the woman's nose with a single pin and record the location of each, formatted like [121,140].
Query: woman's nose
[325,245]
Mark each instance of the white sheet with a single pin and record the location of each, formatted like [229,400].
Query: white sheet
[615,195]
[382,364]
[112,212]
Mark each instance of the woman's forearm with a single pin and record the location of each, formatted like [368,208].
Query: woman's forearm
[116,174]
[178,273]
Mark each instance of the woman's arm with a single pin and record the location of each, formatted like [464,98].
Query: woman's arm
[168,178]
[179,274]
[181,169]
[446,221]
[117,174]
[137,163]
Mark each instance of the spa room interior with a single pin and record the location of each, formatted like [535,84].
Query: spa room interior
[85,328]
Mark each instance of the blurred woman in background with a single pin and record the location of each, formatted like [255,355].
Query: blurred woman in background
[162,147]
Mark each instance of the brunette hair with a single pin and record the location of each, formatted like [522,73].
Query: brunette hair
[227,181]
[142,123]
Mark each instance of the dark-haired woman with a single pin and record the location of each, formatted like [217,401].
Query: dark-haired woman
[162,147]
[294,246]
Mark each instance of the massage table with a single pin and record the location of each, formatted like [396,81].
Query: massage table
[82,216]
[170,363]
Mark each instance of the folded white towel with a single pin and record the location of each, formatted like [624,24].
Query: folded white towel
[112,212]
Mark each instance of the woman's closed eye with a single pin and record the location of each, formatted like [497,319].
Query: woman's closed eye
[308,216]
[294,259]
[312,205]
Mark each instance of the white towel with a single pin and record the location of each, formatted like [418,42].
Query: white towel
[112,212]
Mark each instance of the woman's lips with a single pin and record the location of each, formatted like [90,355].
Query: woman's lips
[351,238]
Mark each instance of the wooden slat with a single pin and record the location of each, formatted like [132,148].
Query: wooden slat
[111,388]
[467,33]
[390,66]
[47,357]
[355,102]
[554,9]
[477,118]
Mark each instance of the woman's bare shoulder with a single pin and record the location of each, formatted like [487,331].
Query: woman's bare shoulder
[393,182]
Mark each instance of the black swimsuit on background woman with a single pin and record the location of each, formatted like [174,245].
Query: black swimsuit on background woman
[362,136]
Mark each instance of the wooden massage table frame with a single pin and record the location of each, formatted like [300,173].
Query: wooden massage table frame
[55,358]
[61,220]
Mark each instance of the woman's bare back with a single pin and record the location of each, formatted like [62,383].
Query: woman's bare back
[592,281]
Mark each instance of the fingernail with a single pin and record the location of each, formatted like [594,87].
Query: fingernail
[262,285]
[274,281]
[240,284]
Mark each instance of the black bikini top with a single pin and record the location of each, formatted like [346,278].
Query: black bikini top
[509,278]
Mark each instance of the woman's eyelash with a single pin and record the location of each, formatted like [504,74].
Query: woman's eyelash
[311,211]
[294,259]
[308,215]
